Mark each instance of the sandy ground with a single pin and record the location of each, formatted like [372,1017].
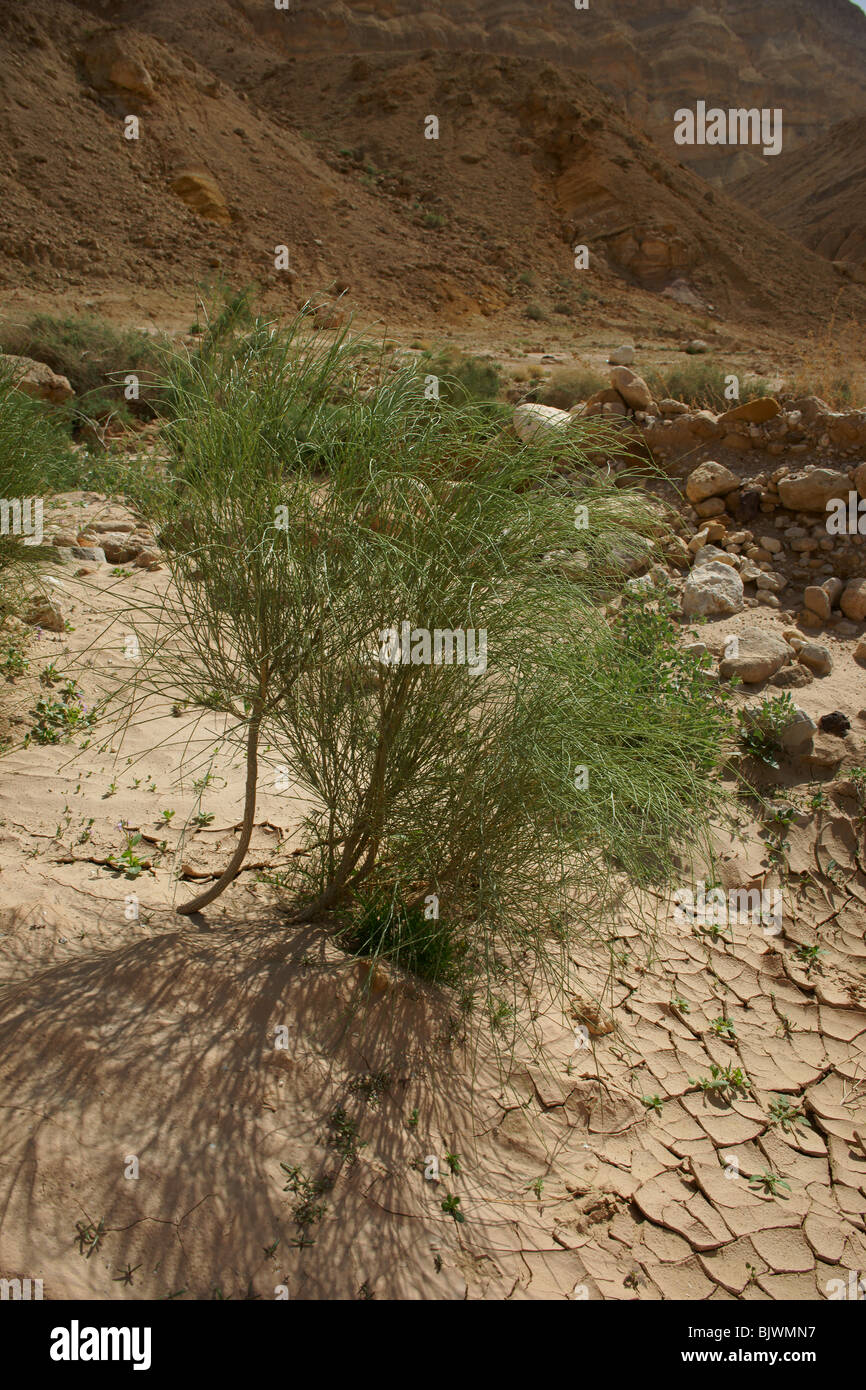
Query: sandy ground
[150,1123]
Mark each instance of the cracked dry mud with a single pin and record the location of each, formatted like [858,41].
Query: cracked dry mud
[154,1038]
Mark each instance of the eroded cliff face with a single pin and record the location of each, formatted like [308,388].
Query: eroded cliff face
[654,56]
[816,193]
[263,127]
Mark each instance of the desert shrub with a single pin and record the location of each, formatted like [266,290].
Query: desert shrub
[535,312]
[568,385]
[464,378]
[834,386]
[411,937]
[302,540]
[761,728]
[95,356]
[34,457]
[827,368]
[701,383]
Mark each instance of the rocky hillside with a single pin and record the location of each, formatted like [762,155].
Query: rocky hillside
[650,56]
[237,154]
[818,193]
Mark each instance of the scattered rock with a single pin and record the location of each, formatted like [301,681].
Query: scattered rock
[148,560]
[749,503]
[711,479]
[753,412]
[713,590]
[835,723]
[111,61]
[622,356]
[89,552]
[713,506]
[798,735]
[817,658]
[531,420]
[810,491]
[760,655]
[709,553]
[817,600]
[118,548]
[45,613]
[696,347]
[632,388]
[772,582]
[201,192]
[834,588]
[329,316]
[853,601]
[792,677]
[38,380]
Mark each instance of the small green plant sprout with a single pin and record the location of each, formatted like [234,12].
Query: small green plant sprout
[57,719]
[128,862]
[783,1113]
[761,728]
[373,1085]
[809,956]
[500,1012]
[89,1236]
[819,801]
[653,1103]
[680,1005]
[203,818]
[721,1081]
[724,1028]
[167,816]
[453,1161]
[126,1276]
[770,1183]
[14,663]
[412,1121]
[857,778]
[308,1211]
[451,1206]
[537,1186]
[345,1135]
